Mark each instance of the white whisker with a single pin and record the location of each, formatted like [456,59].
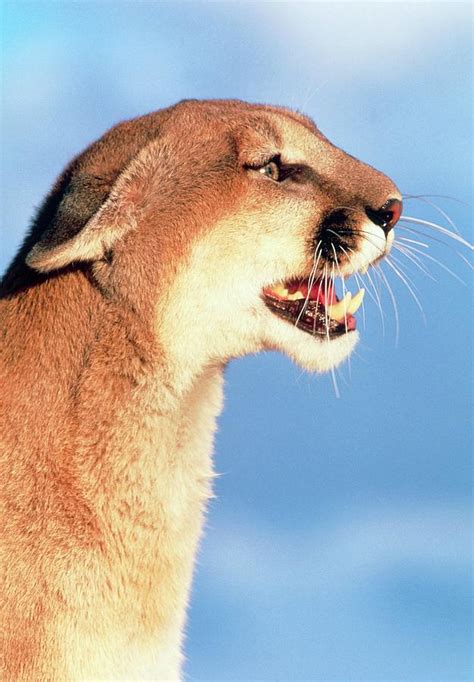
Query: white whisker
[333,374]
[402,267]
[412,230]
[435,196]
[371,234]
[343,283]
[311,279]
[412,241]
[364,236]
[436,207]
[415,260]
[326,299]
[344,291]
[378,300]
[360,284]
[456,200]
[439,263]
[361,232]
[383,277]
[334,383]
[438,228]
[465,260]
[409,285]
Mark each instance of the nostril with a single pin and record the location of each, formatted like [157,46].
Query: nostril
[386,216]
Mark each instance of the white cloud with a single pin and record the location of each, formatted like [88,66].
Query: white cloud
[352,41]
[340,555]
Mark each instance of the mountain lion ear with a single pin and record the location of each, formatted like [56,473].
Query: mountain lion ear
[83,219]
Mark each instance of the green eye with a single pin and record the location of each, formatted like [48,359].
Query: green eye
[271,170]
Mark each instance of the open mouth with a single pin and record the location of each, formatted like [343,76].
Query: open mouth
[314,308]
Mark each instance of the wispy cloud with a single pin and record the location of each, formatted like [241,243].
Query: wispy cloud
[341,554]
[355,41]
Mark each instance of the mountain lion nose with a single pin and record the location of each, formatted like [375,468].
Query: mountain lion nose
[386,216]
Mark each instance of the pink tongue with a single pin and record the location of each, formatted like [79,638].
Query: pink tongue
[321,291]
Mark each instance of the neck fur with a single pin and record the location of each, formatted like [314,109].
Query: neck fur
[123,477]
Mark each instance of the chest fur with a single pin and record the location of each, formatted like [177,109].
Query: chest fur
[150,488]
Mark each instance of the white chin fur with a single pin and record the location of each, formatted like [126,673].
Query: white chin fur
[311,353]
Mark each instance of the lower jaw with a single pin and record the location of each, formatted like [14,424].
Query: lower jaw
[311,318]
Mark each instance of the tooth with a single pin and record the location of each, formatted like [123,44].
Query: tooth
[339,310]
[296,296]
[280,290]
[356,301]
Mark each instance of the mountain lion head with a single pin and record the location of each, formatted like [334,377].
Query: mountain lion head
[224,225]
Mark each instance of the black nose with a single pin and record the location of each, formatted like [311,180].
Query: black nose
[386,216]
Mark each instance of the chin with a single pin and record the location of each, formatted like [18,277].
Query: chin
[313,353]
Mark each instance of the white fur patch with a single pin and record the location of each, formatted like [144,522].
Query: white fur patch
[221,313]
[372,245]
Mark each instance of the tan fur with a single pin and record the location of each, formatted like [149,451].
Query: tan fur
[145,270]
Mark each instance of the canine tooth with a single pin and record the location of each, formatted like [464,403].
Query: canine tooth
[356,302]
[339,310]
[280,290]
[296,296]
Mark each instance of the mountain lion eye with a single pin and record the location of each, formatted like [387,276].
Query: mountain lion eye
[271,170]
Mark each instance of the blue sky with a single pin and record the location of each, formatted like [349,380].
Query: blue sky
[339,545]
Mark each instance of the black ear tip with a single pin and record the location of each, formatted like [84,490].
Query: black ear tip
[41,259]
[34,256]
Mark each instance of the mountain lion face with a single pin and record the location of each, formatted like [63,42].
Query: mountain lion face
[225,226]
